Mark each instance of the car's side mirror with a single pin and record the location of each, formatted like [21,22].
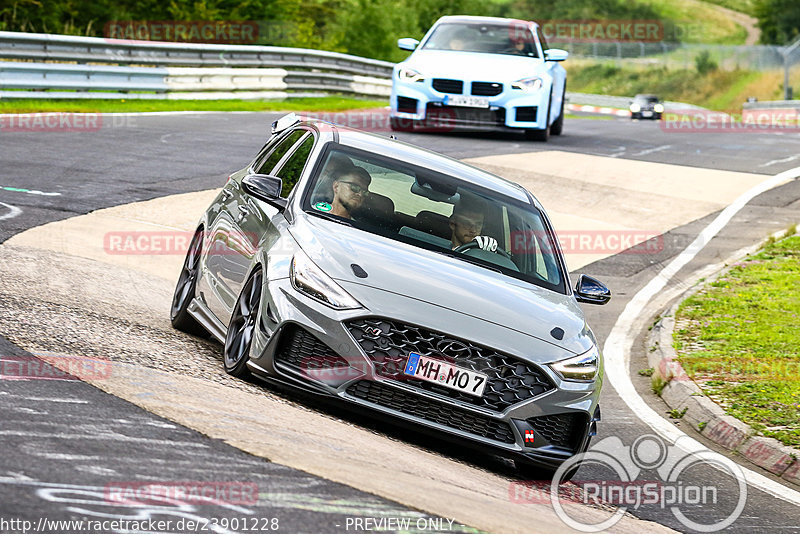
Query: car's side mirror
[265,187]
[555,54]
[407,43]
[591,291]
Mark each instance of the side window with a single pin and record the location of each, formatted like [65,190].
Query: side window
[293,167]
[265,166]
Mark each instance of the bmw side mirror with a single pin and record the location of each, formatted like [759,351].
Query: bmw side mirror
[265,187]
[591,291]
[407,43]
[555,54]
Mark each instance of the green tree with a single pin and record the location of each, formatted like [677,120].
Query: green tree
[779,20]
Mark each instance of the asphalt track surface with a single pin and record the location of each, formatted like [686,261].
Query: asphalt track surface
[48,176]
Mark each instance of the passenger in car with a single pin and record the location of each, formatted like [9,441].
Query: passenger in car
[466,224]
[349,192]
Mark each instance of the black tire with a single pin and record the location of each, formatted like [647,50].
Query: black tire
[558,126]
[242,327]
[535,472]
[186,288]
[538,135]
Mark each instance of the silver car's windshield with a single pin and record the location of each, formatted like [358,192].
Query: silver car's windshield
[512,39]
[438,212]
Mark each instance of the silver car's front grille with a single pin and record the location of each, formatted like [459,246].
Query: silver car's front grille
[450,416]
[389,343]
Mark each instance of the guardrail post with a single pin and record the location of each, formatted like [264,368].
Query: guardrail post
[787,62]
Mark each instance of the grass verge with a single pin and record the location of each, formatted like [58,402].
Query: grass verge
[722,90]
[698,22]
[328,103]
[737,338]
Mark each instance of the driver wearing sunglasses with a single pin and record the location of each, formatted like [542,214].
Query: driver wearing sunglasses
[350,190]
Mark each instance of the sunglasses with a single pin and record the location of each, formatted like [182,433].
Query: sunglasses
[355,188]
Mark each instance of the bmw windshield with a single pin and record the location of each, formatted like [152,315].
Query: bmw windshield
[510,39]
[426,209]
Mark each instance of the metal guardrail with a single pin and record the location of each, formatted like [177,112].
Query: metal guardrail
[46,47]
[143,69]
[619,102]
[772,104]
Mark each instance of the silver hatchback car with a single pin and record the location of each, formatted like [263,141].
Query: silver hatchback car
[402,282]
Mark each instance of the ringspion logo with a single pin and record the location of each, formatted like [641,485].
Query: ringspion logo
[648,474]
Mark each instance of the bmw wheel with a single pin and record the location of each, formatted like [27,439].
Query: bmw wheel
[242,327]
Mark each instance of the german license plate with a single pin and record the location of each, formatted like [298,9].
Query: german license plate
[647,113]
[445,374]
[467,101]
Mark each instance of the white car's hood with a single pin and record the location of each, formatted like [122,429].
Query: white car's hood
[473,66]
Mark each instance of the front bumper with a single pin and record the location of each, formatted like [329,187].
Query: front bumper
[423,104]
[646,114]
[527,410]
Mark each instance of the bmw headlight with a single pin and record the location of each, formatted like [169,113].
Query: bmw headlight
[636,108]
[309,279]
[528,85]
[409,75]
[658,108]
[582,367]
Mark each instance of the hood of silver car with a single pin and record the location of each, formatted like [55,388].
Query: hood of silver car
[443,281]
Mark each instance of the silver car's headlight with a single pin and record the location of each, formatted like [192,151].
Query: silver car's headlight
[658,108]
[636,108]
[309,279]
[409,75]
[528,85]
[582,367]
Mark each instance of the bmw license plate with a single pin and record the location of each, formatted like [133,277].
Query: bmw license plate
[466,101]
[647,113]
[445,374]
